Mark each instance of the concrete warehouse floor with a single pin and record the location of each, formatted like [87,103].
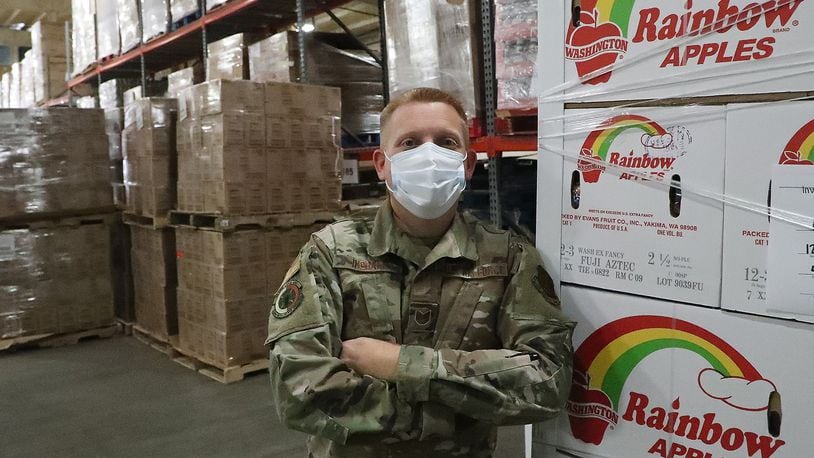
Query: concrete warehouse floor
[119,397]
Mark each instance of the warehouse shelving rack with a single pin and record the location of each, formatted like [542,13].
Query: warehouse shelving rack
[189,41]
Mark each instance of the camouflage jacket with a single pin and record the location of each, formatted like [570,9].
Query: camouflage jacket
[483,340]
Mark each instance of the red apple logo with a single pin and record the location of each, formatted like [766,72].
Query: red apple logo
[589,411]
[793,158]
[594,47]
[590,168]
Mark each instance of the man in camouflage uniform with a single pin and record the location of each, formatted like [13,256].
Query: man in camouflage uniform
[416,337]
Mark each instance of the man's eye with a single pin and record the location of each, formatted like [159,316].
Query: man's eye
[451,142]
[407,143]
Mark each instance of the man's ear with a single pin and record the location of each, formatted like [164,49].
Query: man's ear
[379,162]
[470,163]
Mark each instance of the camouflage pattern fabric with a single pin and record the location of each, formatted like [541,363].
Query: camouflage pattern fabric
[483,340]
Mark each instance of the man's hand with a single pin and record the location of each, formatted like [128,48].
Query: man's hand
[367,356]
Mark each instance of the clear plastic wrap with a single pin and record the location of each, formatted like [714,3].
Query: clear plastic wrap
[274,58]
[111,92]
[5,90]
[241,143]
[224,282]
[333,66]
[87,101]
[229,58]
[155,17]
[114,125]
[182,79]
[355,73]
[149,154]
[515,53]
[53,161]
[677,142]
[129,23]
[154,280]
[429,43]
[50,63]
[55,280]
[361,105]
[83,34]
[179,9]
[108,41]
[15,86]
[27,81]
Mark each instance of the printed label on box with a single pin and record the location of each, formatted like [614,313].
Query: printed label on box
[626,224]
[7,248]
[759,136]
[625,49]
[791,243]
[655,378]
[350,171]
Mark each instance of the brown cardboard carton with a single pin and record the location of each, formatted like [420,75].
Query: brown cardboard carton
[226,281]
[55,161]
[55,280]
[150,156]
[154,279]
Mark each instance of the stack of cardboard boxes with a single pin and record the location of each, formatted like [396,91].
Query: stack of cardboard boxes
[150,174]
[150,156]
[50,62]
[247,149]
[225,285]
[155,18]
[154,281]
[667,209]
[55,271]
[111,99]
[180,9]
[83,34]
[515,53]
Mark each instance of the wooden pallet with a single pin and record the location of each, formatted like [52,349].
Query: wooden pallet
[155,37]
[165,346]
[126,327]
[220,223]
[105,215]
[516,122]
[58,340]
[152,222]
[223,375]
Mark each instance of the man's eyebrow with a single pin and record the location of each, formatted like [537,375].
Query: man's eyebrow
[444,131]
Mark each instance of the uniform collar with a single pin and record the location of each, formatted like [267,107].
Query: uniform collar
[457,242]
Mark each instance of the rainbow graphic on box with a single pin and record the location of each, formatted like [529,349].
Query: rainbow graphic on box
[597,144]
[605,360]
[800,149]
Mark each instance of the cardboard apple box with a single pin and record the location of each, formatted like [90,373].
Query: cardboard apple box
[758,137]
[631,218]
[659,379]
[623,50]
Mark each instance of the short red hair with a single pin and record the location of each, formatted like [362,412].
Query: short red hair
[422,95]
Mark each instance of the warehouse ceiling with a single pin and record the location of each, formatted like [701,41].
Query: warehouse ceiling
[361,16]
[27,12]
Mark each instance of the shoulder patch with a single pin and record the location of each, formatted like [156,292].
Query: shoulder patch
[287,299]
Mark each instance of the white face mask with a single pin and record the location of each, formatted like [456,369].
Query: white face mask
[427,180]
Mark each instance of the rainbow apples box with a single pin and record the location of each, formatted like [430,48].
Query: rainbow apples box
[634,49]
[758,137]
[633,219]
[657,379]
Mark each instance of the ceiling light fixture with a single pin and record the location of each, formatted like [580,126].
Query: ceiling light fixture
[17,26]
[308,27]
